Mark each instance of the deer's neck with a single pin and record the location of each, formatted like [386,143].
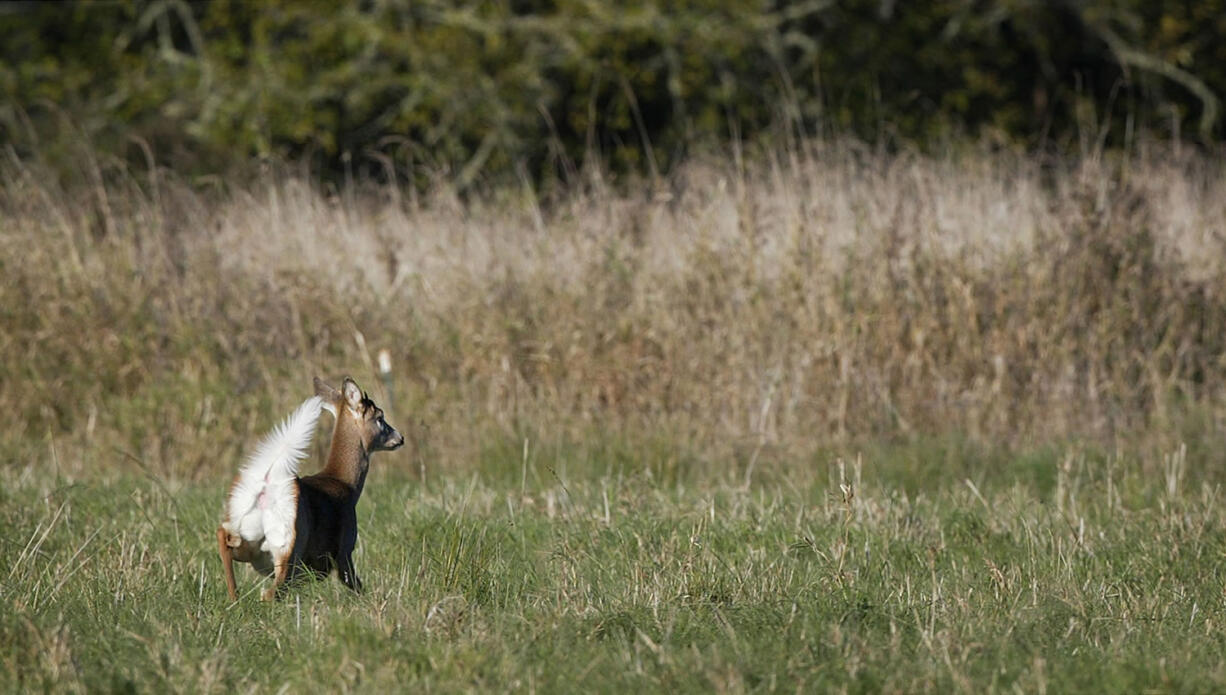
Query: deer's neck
[348,459]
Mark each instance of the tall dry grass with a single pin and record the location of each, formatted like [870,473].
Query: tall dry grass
[744,310]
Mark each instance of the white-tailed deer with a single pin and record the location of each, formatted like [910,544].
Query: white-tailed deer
[279,522]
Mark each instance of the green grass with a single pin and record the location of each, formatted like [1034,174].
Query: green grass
[568,572]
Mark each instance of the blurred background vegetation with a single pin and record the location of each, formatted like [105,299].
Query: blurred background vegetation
[475,90]
[871,220]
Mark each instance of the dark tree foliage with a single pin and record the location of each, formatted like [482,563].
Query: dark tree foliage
[481,88]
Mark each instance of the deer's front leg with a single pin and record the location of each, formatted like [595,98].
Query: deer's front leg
[348,574]
[344,558]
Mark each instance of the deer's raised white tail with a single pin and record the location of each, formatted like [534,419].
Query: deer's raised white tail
[264,500]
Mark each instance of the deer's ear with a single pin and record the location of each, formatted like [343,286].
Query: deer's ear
[353,395]
[329,394]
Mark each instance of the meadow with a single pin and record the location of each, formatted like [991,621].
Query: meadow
[815,419]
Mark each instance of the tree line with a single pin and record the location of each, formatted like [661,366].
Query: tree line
[480,89]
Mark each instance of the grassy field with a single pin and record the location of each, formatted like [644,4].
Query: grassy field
[1054,571]
[816,421]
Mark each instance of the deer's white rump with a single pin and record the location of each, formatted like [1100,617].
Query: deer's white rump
[264,500]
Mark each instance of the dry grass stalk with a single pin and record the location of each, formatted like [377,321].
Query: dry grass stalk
[823,294]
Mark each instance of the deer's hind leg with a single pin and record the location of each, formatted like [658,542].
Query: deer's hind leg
[285,560]
[281,565]
[227,561]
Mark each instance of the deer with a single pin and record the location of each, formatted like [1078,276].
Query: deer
[282,524]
